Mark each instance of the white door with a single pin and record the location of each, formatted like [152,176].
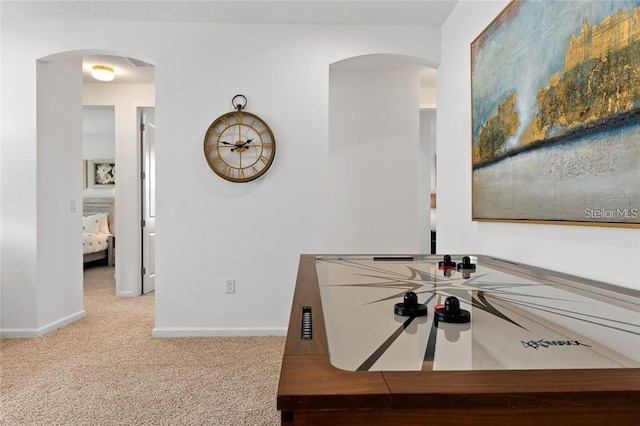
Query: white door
[148,179]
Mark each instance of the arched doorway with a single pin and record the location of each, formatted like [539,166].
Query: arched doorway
[374,126]
[60,97]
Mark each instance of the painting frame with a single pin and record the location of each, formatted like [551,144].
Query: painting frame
[102,173]
[547,145]
[84,174]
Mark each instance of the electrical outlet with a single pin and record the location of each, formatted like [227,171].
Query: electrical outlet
[231,286]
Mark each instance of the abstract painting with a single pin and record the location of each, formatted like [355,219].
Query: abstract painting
[556,114]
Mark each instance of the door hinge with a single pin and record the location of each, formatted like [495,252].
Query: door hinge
[142,175]
[143,271]
[142,127]
[142,223]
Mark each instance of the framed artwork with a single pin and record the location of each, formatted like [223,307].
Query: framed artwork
[555,90]
[84,174]
[103,173]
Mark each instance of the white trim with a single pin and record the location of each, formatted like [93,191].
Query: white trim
[218,331]
[30,333]
[19,333]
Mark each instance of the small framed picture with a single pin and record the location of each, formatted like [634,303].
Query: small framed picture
[103,173]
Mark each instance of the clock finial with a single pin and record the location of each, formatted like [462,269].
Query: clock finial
[240,105]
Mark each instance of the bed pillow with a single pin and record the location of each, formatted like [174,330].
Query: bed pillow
[104,223]
[91,224]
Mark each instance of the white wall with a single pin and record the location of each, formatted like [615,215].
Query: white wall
[251,232]
[1,221]
[19,205]
[41,200]
[374,160]
[209,230]
[606,254]
[59,120]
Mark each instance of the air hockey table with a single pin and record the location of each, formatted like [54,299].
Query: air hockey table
[540,347]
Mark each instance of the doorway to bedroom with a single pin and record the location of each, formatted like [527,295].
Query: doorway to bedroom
[113,140]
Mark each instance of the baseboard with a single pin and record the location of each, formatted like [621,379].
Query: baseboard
[31,333]
[18,333]
[217,332]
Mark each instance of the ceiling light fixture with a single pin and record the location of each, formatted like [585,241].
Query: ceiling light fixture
[102,73]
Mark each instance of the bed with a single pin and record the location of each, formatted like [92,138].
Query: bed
[98,226]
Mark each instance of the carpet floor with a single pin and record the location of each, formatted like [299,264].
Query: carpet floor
[106,369]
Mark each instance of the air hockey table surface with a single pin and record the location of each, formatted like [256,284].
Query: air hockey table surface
[539,345]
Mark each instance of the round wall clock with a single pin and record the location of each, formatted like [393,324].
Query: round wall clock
[239,146]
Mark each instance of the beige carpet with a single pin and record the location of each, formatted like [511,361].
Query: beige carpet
[106,369]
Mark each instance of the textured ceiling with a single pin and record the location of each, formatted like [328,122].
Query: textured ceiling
[332,12]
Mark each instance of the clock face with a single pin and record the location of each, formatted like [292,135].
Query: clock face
[239,146]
